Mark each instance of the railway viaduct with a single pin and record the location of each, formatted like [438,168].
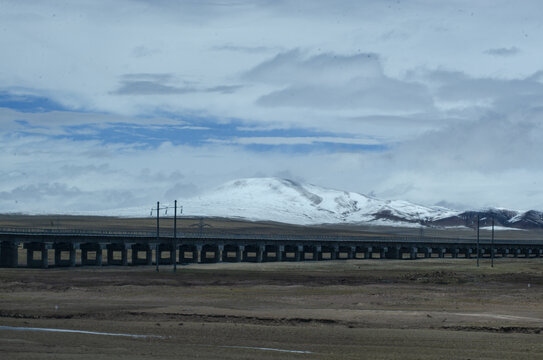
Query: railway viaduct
[73,248]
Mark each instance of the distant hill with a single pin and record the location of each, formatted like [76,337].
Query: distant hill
[288,201]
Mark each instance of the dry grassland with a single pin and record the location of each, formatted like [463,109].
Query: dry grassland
[424,309]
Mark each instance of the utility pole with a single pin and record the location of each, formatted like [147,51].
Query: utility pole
[492,245]
[157,247]
[157,252]
[175,236]
[478,220]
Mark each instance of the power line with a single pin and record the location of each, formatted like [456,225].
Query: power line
[157,252]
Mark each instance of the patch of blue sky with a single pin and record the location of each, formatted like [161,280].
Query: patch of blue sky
[224,129]
[231,127]
[191,130]
[29,103]
[207,133]
[324,147]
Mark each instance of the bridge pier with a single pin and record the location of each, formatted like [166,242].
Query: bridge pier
[309,252]
[492,252]
[42,249]
[210,253]
[189,253]
[253,253]
[276,250]
[295,250]
[168,249]
[91,249]
[330,251]
[427,252]
[342,252]
[359,252]
[137,258]
[383,252]
[229,250]
[441,252]
[393,252]
[9,254]
[117,254]
[368,253]
[61,248]
[454,252]
[349,252]
[413,254]
[280,252]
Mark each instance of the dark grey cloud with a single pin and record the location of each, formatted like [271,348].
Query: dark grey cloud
[162,84]
[153,77]
[339,82]
[223,89]
[503,51]
[40,197]
[294,67]
[39,191]
[150,88]
[183,190]
[386,94]
[243,49]
[502,96]
[331,81]
[144,51]
[492,144]
[498,125]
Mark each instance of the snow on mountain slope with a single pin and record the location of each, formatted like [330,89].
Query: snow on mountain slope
[292,202]
[287,201]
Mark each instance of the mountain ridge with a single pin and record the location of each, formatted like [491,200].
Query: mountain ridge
[288,201]
[291,202]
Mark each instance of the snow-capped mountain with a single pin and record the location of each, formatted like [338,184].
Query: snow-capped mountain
[503,218]
[288,201]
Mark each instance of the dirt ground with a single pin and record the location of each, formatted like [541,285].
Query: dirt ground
[356,309]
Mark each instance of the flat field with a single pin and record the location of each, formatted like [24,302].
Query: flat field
[356,309]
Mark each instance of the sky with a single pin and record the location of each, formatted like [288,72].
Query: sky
[107,105]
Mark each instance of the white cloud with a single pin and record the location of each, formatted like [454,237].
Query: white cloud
[460,125]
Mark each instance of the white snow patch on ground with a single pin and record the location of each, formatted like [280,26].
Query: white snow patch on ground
[500,228]
[15,328]
[269,349]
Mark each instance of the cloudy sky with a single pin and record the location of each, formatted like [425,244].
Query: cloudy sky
[108,105]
